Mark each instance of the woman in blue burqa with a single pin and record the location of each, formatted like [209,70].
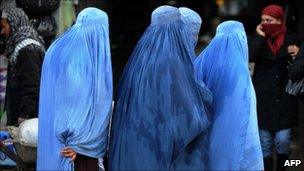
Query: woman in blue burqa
[233,135]
[159,117]
[192,22]
[76,96]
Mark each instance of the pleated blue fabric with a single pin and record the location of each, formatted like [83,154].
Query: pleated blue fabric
[233,135]
[160,118]
[76,92]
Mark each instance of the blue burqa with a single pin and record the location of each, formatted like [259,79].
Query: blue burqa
[233,138]
[76,93]
[159,118]
[192,23]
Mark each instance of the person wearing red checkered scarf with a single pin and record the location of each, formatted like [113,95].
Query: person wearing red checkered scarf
[272,50]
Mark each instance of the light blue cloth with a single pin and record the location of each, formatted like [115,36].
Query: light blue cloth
[76,92]
[159,118]
[193,23]
[223,66]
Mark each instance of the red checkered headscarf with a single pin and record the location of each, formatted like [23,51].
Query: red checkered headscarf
[275,33]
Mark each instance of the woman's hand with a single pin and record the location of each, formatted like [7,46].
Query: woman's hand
[292,50]
[260,31]
[68,152]
[20,120]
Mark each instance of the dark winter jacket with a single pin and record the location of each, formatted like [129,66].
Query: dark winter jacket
[23,80]
[296,70]
[276,109]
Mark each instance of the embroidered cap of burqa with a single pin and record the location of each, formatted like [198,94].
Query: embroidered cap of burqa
[193,23]
[159,112]
[223,66]
[76,92]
